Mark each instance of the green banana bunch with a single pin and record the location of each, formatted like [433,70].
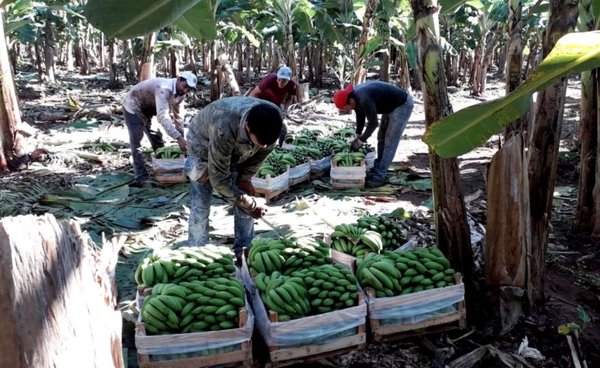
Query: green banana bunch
[185,264]
[356,241]
[366,149]
[310,291]
[302,154]
[286,255]
[168,152]
[348,159]
[283,294]
[193,306]
[344,133]
[304,253]
[395,273]
[265,256]
[333,145]
[302,140]
[391,233]
[329,287]
[99,146]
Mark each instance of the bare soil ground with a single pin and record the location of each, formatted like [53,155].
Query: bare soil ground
[573,279]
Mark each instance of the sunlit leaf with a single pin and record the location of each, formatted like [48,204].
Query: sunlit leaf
[199,22]
[130,18]
[466,129]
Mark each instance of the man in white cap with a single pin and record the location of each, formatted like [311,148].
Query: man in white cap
[160,97]
[277,88]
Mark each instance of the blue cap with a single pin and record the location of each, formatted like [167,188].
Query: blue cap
[284,73]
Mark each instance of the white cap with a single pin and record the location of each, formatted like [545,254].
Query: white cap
[190,78]
[284,73]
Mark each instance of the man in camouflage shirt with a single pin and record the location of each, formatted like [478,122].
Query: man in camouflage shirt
[227,143]
[160,97]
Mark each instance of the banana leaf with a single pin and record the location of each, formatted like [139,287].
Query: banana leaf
[467,129]
[131,18]
[199,22]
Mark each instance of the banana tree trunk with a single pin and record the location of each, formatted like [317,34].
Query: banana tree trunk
[452,229]
[248,53]
[102,51]
[113,81]
[289,44]
[476,71]
[403,67]
[173,63]
[543,148]
[130,64]
[383,30]
[588,121]
[596,192]
[508,229]
[38,61]
[49,48]
[147,58]
[69,61]
[360,73]
[10,115]
[514,58]
[491,41]
[533,53]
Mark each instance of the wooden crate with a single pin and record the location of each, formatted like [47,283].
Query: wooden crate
[169,170]
[237,358]
[272,187]
[284,356]
[348,177]
[451,320]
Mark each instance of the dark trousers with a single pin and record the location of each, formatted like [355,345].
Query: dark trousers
[137,125]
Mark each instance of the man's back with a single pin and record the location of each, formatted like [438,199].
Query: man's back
[383,97]
[141,98]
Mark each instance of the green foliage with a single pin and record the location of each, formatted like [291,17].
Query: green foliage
[466,129]
[199,22]
[130,18]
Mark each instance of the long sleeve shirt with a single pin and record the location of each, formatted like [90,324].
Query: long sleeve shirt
[218,141]
[374,98]
[156,97]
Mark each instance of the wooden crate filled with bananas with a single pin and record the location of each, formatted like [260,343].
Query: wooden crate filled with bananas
[348,170]
[192,299]
[167,165]
[305,306]
[410,293]
[273,176]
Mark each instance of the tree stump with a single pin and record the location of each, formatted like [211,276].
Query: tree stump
[57,296]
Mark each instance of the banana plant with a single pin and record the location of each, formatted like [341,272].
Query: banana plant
[467,129]
[125,19]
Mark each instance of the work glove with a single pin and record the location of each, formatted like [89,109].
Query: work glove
[355,145]
[246,186]
[248,204]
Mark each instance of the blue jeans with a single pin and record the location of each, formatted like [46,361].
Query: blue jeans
[389,135]
[137,125]
[243,224]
